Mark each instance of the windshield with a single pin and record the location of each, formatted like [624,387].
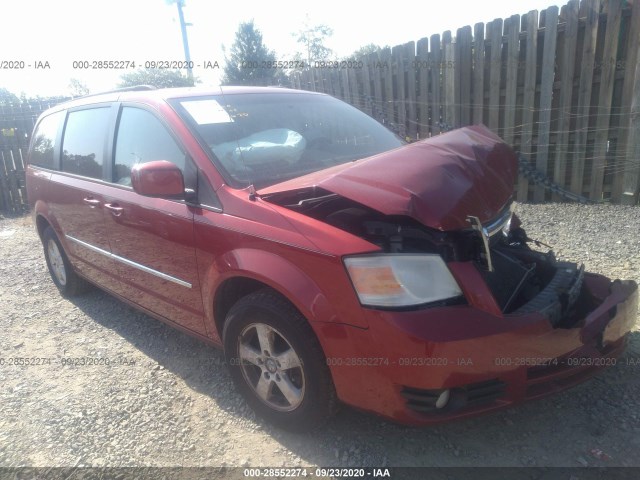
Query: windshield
[266,138]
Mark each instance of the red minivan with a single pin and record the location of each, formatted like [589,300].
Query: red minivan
[331,261]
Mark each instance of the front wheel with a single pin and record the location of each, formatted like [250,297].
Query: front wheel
[62,273]
[276,362]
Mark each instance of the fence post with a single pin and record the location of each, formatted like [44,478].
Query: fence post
[528,100]
[546,95]
[607,74]
[566,91]
[592,12]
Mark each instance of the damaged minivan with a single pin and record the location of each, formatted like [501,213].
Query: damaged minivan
[331,261]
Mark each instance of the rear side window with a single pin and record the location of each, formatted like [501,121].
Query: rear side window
[142,138]
[44,140]
[84,142]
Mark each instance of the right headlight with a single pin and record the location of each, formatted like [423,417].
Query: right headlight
[401,280]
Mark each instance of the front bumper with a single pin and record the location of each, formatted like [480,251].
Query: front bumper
[398,366]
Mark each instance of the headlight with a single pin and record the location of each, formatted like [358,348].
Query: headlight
[401,280]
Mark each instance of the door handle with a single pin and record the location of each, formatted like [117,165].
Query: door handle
[114,209]
[92,202]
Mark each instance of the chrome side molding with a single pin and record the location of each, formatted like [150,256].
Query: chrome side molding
[131,263]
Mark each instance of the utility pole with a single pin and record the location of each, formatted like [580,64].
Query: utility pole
[185,39]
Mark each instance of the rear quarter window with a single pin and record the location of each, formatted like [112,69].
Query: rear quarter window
[84,139]
[44,141]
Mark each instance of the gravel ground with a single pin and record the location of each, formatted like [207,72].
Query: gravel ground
[165,399]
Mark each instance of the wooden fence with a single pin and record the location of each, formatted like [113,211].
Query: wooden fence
[16,125]
[562,87]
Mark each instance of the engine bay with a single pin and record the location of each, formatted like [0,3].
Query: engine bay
[521,278]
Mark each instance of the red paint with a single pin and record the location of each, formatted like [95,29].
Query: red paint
[157,179]
[437,182]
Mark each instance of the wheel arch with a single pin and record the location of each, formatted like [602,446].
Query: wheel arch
[43,218]
[229,292]
[41,224]
[256,269]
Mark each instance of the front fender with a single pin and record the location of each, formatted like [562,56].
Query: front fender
[276,272]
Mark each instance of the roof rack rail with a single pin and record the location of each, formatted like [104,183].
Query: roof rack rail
[135,88]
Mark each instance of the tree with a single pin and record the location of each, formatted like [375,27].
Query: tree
[77,88]
[156,77]
[247,58]
[312,38]
[365,51]
[8,98]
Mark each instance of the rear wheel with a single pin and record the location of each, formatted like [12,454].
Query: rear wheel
[60,269]
[276,362]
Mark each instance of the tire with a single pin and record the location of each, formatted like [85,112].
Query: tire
[60,269]
[277,363]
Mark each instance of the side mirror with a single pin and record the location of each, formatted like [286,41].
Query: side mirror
[159,178]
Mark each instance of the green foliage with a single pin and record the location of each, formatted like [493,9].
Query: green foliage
[365,51]
[312,38]
[247,57]
[8,98]
[77,88]
[157,77]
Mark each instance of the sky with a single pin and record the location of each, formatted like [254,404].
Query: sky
[52,35]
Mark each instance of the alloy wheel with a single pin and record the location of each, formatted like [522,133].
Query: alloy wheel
[271,367]
[56,261]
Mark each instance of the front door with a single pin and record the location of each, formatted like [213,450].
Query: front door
[152,239]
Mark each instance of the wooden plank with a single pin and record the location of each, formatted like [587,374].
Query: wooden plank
[512,31]
[625,175]
[448,83]
[317,75]
[566,91]
[376,74]
[325,83]
[546,96]
[313,79]
[591,11]
[399,91]
[14,183]
[366,86]
[495,63]
[434,80]
[478,73]
[304,80]
[336,81]
[422,65]
[614,15]
[387,70]
[344,82]
[354,88]
[530,21]
[463,67]
[411,94]
[631,178]
[329,83]
[455,73]
[9,192]
[7,205]
[295,80]
[21,162]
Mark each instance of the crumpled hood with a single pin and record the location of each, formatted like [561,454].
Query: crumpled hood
[438,181]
